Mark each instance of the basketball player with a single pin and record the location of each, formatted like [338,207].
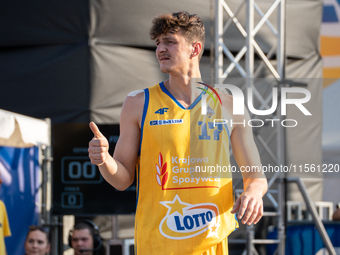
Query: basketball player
[182,208]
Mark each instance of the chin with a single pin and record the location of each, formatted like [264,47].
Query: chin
[165,70]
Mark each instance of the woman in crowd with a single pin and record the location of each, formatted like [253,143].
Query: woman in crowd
[37,241]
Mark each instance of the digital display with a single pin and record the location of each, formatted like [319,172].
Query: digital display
[76,170]
[77,185]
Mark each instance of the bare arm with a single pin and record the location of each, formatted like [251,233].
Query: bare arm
[119,170]
[250,204]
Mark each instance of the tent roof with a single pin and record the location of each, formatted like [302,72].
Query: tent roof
[17,130]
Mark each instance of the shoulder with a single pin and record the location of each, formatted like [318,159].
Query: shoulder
[133,106]
[135,99]
[135,93]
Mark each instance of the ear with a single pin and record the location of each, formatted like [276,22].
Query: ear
[196,49]
[48,248]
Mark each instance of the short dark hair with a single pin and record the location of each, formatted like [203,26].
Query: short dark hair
[83,225]
[190,24]
[41,229]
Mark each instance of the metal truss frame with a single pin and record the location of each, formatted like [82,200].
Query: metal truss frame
[222,11]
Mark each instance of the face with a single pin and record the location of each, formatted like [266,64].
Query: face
[173,53]
[36,243]
[82,240]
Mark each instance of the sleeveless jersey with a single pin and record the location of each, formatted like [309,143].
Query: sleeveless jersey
[184,188]
[4,227]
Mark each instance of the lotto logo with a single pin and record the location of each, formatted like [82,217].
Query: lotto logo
[185,220]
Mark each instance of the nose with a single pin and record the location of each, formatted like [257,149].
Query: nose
[160,48]
[79,243]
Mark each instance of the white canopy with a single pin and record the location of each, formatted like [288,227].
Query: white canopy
[17,130]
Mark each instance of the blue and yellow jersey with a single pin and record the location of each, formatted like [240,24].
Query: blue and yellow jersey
[184,191]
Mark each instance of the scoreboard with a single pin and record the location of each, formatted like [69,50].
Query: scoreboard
[77,185]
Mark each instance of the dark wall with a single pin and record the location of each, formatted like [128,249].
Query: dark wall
[44,59]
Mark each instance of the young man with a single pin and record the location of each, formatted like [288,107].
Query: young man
[84,238]
[181,207]
[5,230]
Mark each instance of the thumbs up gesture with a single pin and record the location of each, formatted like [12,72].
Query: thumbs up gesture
[98,146]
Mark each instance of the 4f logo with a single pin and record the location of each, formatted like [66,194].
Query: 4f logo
[161,111]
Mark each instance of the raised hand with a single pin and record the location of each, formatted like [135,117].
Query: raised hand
[98,146]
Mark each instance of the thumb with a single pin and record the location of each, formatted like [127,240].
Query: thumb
[95,130]
[236,205]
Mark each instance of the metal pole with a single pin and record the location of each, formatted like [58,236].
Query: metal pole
[46,178]
[281,219]
[218,41]
[114,227]
[250,76]
[249,40]
[281,49]
[47,191]
[281,62]
[212,42]
[250,238]
[44,217]
[281,152]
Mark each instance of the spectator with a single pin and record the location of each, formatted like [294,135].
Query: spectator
[84,238]
[37,241]
[4,225]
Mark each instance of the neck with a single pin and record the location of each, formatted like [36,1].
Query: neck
[182,87]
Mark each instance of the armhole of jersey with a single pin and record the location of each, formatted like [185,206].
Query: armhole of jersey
[137,188]
[145,109]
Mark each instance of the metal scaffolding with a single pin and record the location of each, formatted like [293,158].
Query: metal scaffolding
[224,13]
[250,73]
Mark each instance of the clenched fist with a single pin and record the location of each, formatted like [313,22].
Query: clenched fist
[98,146]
